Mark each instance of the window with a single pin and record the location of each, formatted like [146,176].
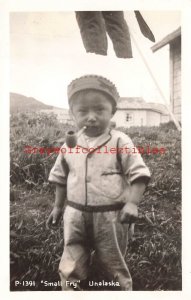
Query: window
[128,117]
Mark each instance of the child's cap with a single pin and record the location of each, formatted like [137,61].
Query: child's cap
[93,82]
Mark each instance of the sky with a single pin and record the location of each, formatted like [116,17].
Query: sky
[46,53]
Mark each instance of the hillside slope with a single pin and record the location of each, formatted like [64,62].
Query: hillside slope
[21,103]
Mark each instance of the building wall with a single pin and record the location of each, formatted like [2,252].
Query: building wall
[119,118]
[175,77]
[63,115]
[138,118]
[153,118]
[165,118]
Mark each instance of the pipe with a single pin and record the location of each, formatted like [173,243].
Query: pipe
[72,137]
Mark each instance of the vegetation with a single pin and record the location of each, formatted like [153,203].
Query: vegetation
[153,256]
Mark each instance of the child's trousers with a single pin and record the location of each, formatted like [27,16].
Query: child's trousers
[99,231]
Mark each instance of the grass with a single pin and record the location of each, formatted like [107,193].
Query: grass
[153,257]
[35,251]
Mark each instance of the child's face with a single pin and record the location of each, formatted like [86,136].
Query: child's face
[93,110]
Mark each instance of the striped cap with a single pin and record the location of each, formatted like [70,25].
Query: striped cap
[93,82]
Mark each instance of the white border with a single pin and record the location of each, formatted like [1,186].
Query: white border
[70,5]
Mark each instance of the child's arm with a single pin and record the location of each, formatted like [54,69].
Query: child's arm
[129,212]
[138,176]
[56,213]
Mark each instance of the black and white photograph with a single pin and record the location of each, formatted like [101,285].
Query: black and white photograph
[95,150]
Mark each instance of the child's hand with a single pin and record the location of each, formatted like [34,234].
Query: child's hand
[54,217]
[129,213]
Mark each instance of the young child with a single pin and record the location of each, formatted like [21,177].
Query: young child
[101,189]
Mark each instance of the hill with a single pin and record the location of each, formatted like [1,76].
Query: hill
[21,103]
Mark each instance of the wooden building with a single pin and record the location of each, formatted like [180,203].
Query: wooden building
[134,111]
[174,41]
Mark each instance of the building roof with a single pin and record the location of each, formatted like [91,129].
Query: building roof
[167,39]
[137,103]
